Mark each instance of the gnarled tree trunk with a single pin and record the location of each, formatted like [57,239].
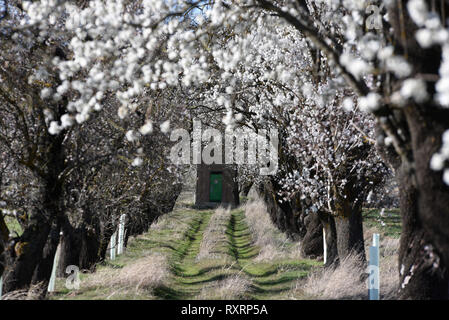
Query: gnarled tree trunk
[42,273]
[424,251]
[418,277]
[349,229]
[312,243]
[24,255]
[328,224]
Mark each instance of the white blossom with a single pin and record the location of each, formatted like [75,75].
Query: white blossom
[165,126]
[146,128]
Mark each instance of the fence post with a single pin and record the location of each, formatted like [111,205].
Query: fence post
[121,234]
[51,284]
[373,279]
[324,246]
[1,287]
[113,245]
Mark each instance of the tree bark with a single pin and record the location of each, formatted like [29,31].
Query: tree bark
[4,237]
[90,248]
[24,255]
[424,250]
[349,230]
[286,216]
[107,232]
[2,257]
[328,224]
[70,240]
[42,273]
[418,279]
[312,243]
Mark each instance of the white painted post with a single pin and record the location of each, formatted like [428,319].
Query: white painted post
[374,276]
[324,246]
[1,287]
[121,234]
[113,245]
[376,240]
[51,284]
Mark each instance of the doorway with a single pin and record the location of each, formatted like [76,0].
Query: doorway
[216,187]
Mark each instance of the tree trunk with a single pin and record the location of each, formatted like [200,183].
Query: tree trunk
[420,278]
[2,257]
[24,255]
[349,229]
[286,216]
[312,243]
[328,224]
[90,248]
[106,234]
[4,237]
[42,273]
[79,247]
[70,240]
[424,252]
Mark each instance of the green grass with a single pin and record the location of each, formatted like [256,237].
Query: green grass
[389,225]
[163,241]
[271,280]
[189,276]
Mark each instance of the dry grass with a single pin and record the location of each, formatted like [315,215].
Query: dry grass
[144,274]
[232,288]
[272,243]
[341,283]
[168,222]
[214,244]
[389,274]
[347,281]
[139,277]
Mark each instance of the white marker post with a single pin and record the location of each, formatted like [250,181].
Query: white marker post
[51,284]
[1,287]
[121,234]
[373,280]
[376,240]
[113,245]
[324,246]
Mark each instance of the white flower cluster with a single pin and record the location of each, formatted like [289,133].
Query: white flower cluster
[114,49]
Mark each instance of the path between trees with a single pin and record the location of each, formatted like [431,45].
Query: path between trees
[231,271]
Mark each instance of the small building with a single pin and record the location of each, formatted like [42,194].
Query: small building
[216,185]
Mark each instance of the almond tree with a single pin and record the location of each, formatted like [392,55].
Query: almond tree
[395,65]
[48,168]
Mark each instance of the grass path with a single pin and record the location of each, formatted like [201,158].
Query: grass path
[192,278]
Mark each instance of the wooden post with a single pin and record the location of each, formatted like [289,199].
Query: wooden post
[113,245]
[121,234]
[324,246]
[51,284]
[373,280]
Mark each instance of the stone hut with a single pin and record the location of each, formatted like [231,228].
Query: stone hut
[216,185]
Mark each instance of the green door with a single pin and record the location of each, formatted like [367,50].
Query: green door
[216,187]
